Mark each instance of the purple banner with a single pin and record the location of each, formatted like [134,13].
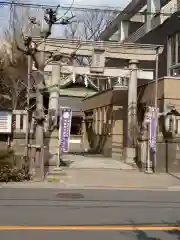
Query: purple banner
[65,128]
[153,130]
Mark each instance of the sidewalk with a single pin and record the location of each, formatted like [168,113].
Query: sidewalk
[112,178]
[105,179]
[95,162]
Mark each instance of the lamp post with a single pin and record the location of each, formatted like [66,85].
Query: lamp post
[156,104]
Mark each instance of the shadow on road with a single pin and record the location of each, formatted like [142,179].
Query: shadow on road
[143,235]
[174,176]
[175,232]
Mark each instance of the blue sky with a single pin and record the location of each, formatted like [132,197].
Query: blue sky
[112,3]
[119,4]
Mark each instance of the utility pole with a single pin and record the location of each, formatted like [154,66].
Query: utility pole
[59,113]
[40,117]
[26,155]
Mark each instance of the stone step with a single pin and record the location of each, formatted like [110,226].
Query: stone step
[57,169]
[56,173]
[65,171]
[55,179]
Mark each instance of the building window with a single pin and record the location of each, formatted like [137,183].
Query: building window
[173,49]
[178,47]
[177,130]
[174,55]
[76,125]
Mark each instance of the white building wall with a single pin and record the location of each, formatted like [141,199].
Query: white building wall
[157,17]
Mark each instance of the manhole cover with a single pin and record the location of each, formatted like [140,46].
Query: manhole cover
[70,195]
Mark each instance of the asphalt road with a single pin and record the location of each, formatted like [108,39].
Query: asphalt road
[104,214]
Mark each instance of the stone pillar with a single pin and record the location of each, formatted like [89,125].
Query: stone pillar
[132,112]
[53,110]
[18,122]
[123,30]
[54,94]
[24,122]
[122,33]
[119,120]
[85,143]
[98,60]
[117,132]
[54,91]
[153,7]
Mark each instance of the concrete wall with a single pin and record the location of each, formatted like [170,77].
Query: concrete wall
[168,153]
[168,91]
[51,143]
[160,36]
[107,134]
[51,140]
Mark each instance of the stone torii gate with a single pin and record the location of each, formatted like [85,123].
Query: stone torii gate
[132,53]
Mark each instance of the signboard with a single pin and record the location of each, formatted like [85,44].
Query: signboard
[5,122]
[65,128]
[153,129]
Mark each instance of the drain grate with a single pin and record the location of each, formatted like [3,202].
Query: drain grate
[70,195]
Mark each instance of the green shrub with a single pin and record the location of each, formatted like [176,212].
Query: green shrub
[8,174]
[8,171]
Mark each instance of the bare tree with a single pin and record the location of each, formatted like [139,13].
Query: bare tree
[13,62]
[88,26]
[41,58]
[13,75]
[13,66]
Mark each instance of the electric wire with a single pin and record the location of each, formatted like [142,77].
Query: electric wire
[77,7]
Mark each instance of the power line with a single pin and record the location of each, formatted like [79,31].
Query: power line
[78,7]
[64,7]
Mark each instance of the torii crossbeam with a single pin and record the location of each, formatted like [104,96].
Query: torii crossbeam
[131,51]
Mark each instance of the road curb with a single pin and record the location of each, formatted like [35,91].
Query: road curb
[62,185]
[175,188]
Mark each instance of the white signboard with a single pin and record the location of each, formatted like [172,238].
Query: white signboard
[5,122]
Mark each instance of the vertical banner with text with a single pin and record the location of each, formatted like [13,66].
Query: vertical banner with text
[153,129]
[65,129]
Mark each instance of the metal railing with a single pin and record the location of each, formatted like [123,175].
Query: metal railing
[138,34]
[20,121]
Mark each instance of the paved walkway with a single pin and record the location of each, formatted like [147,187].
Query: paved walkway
[106,178]
[117,179]
[95,162]
[98,172]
